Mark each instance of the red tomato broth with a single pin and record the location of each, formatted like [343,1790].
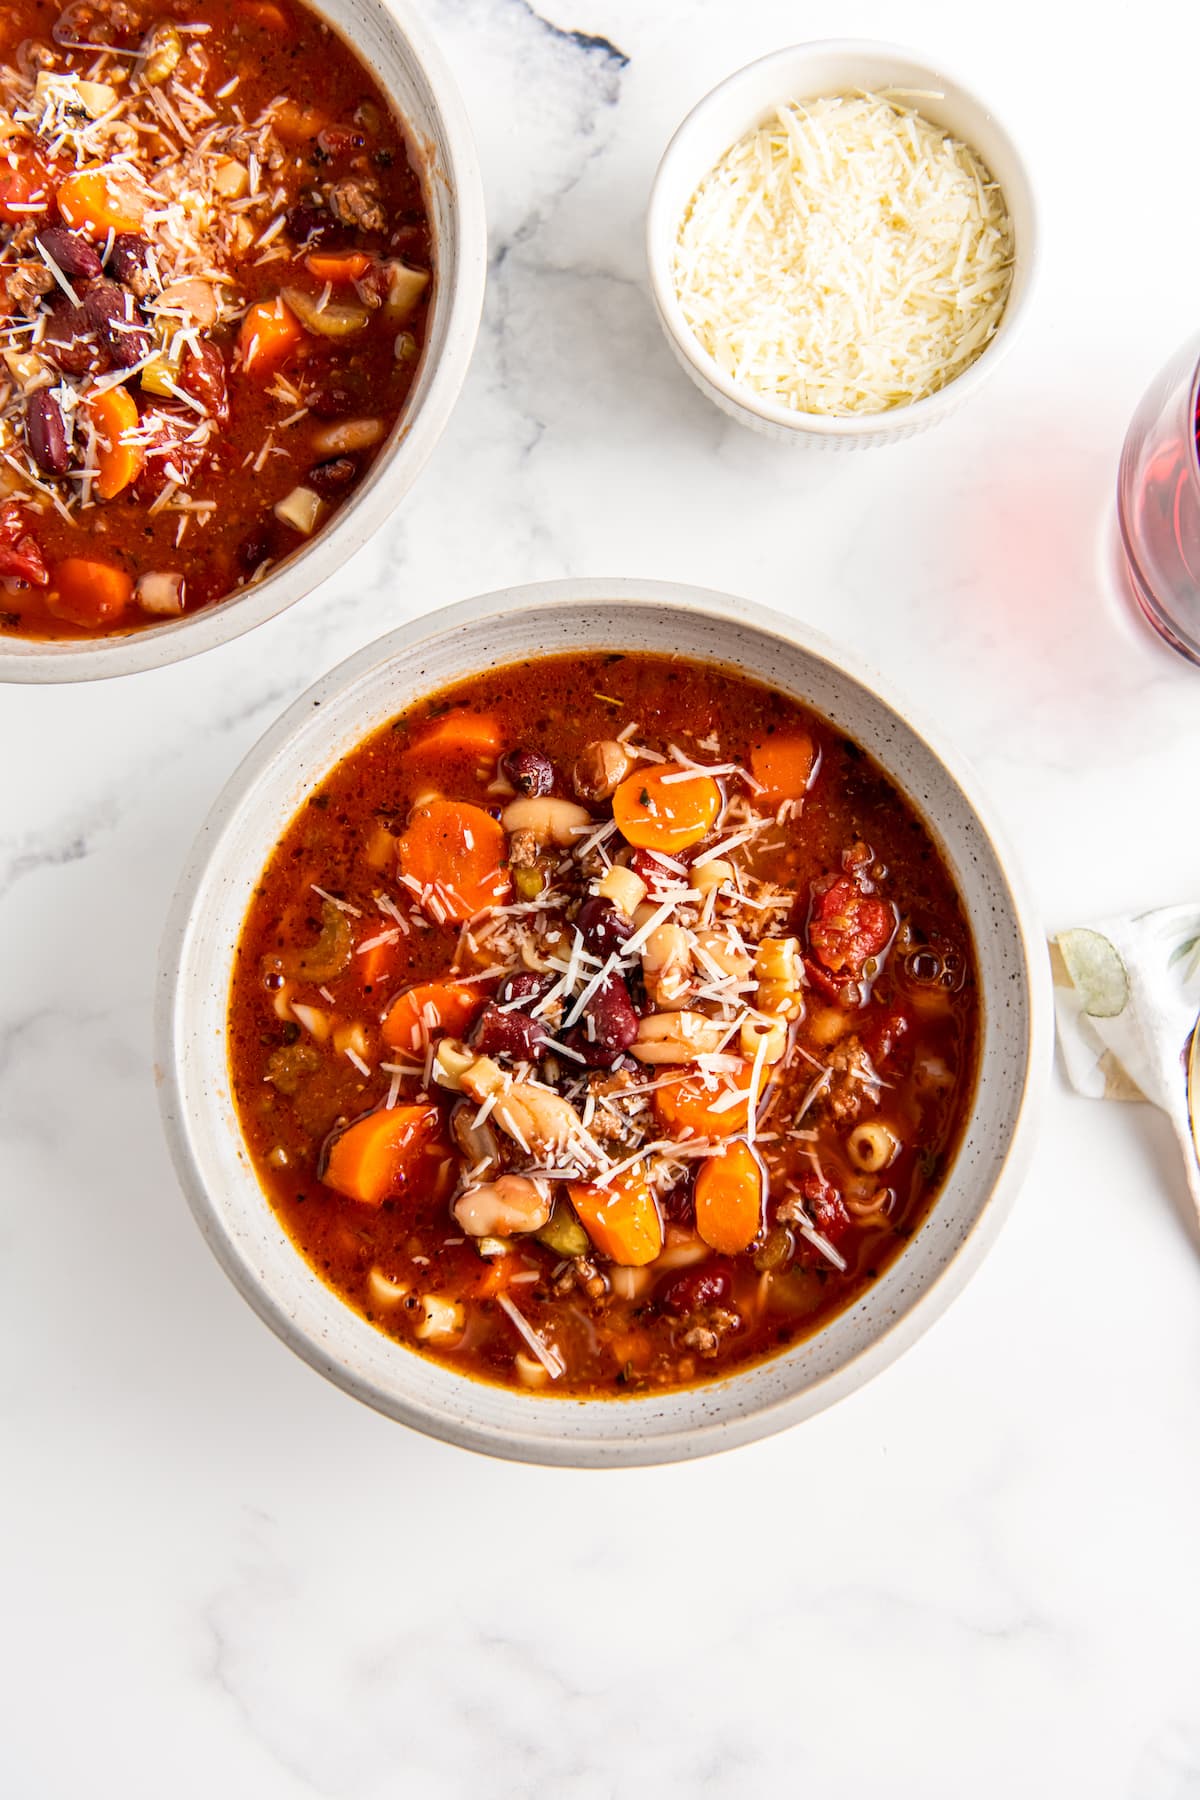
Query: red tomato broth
[918,1019]
[264,429]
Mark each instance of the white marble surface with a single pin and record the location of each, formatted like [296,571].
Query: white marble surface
[219,1576]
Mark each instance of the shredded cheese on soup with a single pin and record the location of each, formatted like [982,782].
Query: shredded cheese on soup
[846,257]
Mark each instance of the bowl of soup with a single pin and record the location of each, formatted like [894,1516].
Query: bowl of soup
[242,259]
[598,1025]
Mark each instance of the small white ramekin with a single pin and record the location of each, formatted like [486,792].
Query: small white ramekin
[746,100]
[394,43]
[200,943]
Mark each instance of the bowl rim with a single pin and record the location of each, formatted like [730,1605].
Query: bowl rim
[413,441]
[661,1443]
[660,237]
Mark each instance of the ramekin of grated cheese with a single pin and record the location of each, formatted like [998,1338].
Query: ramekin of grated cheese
[841,241]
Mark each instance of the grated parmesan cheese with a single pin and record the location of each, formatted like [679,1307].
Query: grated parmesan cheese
[846,257]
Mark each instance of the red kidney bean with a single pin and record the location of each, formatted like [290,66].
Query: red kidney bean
[202,375]
[68,341]
[529,771]
[308,226]
[46,433]
[128,258]
[709,1285]
[524,985]
[111,312]
[255,549]
[602,927]
[512,1034]
[333,477]
[678,1203]
[611,1010]
[73,254]
[335,399]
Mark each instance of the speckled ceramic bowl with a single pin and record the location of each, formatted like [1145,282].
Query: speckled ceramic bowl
[743,101]
[206,918]
[394,42]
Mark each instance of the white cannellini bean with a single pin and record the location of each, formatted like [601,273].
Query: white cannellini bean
[498,1208]
[551,821]
[345,436]
[196,299]
[544,1120]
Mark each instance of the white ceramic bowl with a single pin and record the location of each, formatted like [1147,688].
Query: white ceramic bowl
[746,100]
[217,885]
[395,44]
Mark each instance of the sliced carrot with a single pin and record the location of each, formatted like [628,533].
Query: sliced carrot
[373,1159]
[351,265]
[373,964]
[453,855]
[495,1277]
[447,1006]
[655,813]
[475,733]
[97,202]
[623,1221]
[115,415]
[88,592]
[729,1199]
[270,332]
[783,765]
[692,1106]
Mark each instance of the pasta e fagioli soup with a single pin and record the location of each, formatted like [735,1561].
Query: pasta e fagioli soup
[603,1023]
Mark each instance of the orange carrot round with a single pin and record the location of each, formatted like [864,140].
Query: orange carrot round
[452,856]
[654,812]
[477,734]
[373,1159]
[694,1107]
[784,765]
[430,1007]
[88,592]
[349,265]
[115,415]
[622,1220]
[96,201]
[270,332]
[729,1199]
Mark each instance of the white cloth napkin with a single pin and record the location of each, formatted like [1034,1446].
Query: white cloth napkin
[1127,996]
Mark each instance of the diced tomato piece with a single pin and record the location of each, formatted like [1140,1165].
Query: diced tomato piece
[882,1036]
[21,556]
[26,191]
[847,927]
[827,1210]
